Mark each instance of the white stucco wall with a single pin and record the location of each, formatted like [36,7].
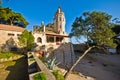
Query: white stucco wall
[4,36]
[39,35]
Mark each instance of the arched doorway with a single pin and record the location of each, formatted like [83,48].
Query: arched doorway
[39,40]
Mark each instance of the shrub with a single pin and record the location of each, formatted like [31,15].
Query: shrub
[32,59]
[40,76]
[52,63]
[57,75]
[42,59]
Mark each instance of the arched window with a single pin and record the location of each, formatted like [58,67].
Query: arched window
[39,40]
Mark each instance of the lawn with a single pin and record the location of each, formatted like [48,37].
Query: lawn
[14,70]
[8,54]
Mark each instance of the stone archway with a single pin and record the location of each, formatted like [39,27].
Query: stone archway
[39,40]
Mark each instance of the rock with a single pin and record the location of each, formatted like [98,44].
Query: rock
[89,78]
[1,66]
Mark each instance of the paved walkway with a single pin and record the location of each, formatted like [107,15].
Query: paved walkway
[14,70]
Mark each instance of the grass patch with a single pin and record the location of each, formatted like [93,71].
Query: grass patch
[40,76]
[57,75]
[8,55]
[42,59]
[32,59]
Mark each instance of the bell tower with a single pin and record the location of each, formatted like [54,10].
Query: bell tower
[59,21]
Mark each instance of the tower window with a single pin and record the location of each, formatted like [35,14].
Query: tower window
[60,26]
[60,18]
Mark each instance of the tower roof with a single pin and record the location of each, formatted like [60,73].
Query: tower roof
[59,10]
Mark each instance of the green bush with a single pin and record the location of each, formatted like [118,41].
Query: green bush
[57,75]
[42,59]
[32,59]
[40,76]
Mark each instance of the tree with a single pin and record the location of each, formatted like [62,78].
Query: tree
[11,18]
[96,28]
[1,1]
[26,40]
[116,29]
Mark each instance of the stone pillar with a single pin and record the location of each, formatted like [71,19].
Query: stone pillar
[54,39]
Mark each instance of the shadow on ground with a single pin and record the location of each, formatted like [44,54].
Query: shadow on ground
[19,71]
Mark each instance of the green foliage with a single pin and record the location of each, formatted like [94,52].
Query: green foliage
[116,28]
[40,76]
[51,64]
[26,40]
[0,1]
[32,59]
[95,27]
[8,55]
[57,75]
[42,59]
[11,17]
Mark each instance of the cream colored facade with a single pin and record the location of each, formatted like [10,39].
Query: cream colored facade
[44,37]
[59,21]
[7,32]
[6,35]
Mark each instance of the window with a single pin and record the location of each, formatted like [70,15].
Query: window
[18,34]
[10,34]
[60,18]
[39,40]
[60,26]
[50,39]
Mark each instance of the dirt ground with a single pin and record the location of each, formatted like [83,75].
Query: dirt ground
[97,67]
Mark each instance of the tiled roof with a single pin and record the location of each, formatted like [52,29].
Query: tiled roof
[55,34]
[50,32]
[11,28]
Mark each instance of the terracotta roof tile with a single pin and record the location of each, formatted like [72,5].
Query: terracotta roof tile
[11,28]
[50,32]
[55,34]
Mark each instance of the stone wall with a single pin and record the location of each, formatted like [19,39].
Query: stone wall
[64,55]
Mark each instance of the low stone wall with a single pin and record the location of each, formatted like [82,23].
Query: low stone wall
[9,59]
[41,68]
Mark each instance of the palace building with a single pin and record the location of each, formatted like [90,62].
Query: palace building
[53,33]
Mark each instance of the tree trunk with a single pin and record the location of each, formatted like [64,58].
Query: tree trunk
[69,71]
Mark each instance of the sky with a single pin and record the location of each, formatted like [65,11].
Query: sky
[36,11]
